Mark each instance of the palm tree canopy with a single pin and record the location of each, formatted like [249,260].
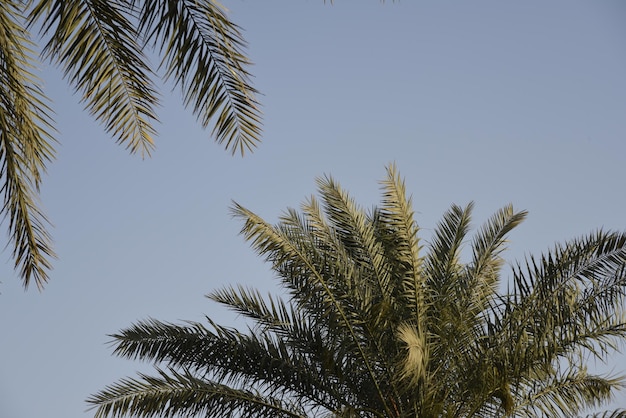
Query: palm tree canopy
[375,323]
[100,46]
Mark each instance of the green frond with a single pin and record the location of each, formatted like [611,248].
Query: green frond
[295,259]
[358,237]
[297,333]
[269,363]
[398,231]
[443,262]
[203,53]
[96,43]
[183,394]
[272,314]
[464,300]
[567,395]
[353,281]
[477,287]
[99,45]
[156,341]
[320,232]
[488,244]
[447,323]
[362,284]
[301,265]
[578,291]
[25,148]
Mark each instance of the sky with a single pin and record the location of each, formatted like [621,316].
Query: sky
[486,101]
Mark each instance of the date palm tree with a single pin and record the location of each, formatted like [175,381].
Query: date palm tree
[102,47]
[373,323]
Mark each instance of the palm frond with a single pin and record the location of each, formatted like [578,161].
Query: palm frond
[266,362]
[157,341]
[569,395]
[96,43]
[25,148]
[443,262]
[484,271]
[349,273]
[572,299]
[293,256]
[318,376]
[271,315]
[448,331]
[399,233]
[183,394]
[362,285]
[203,53]
[362,248]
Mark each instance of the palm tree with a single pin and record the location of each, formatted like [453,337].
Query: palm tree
[371,325]
[101,46]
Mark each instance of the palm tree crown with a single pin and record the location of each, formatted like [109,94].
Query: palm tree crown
[100,46]
[373,324]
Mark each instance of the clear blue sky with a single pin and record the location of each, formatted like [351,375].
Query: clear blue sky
[490,101]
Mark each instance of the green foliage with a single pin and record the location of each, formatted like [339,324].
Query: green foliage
[372,324]
[100,46]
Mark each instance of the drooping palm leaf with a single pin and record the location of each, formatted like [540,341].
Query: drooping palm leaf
[203,52]
[174,393]
[25,147]
[569,394]
[98,47]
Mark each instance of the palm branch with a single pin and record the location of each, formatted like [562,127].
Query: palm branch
[25,147]
[103,48]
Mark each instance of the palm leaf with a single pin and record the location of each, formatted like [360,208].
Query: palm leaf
[484,271]
[297,332]
[398,231]
[443,264]
[569,394]
[273,315]
[356,233]
[262,362]
[203,53]
[25,147]
[450,335]
[577,291]
[182,393]
[293,257]
[97,45]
